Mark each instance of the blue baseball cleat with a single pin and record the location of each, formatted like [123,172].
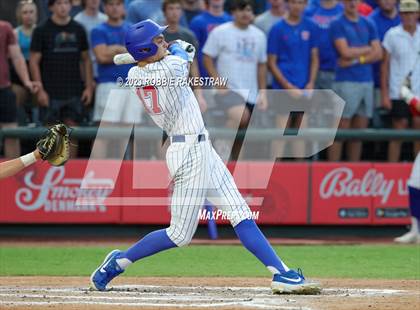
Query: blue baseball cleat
[107,271]
[293,282]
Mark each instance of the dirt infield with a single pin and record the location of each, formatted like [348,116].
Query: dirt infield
[203,293]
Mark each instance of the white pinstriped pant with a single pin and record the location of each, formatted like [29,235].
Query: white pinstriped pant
[199,173]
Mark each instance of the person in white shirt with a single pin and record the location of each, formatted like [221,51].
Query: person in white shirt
[401,65]
[89,18]
[237,51]
[267,19]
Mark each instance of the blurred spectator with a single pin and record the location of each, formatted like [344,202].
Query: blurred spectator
[357,44]
[8,10]
[59,50]
[139,10]
[385,17]
[258,6]
[10,48]
[372,3]
[363,8]
[172,10]
[323,16]
[89,18]
[267,19]
[243,52]
[76,7]
[401,65]
[293,60]
[204,23]
[26,15]
[192,8]
[114,106]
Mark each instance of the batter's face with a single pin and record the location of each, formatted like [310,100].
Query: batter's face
[114,9]
[296,7]
[243,17]
[162,49]
[61,8]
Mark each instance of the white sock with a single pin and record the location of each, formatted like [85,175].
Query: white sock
[274,270]
[414,225]
[124,262]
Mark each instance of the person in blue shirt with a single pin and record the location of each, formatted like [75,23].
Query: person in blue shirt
[139,10]
[113,105]
[357,45]
[385,16]
[293,60]
[323,16]
[204,23]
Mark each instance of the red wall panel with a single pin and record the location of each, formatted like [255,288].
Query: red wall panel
[45,194]
[390,205]
[341,193]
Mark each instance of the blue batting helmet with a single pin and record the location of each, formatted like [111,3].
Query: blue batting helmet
[139,39]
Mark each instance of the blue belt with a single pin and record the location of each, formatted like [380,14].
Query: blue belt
[181,138]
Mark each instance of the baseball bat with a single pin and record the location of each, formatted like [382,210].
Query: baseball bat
[124,59]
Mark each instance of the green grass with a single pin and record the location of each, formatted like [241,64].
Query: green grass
[343,261]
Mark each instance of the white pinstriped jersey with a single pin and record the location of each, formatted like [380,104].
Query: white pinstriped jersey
[196,169]
[173,108]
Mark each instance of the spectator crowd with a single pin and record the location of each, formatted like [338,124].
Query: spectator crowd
[60,67]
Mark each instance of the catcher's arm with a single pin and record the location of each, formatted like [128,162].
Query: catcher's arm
[11,167]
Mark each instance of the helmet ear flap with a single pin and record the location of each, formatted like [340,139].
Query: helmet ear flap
[139,39]
[146,50]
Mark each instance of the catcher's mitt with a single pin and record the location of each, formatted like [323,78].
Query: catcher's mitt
[54,147]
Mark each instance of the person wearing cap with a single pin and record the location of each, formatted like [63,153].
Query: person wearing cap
[401,66]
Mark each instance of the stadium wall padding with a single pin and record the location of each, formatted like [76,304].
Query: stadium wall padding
[138,192]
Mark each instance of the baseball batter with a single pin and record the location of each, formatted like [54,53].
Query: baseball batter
[197,171]
[413,235]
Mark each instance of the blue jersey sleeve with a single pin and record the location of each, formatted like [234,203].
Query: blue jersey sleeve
[274,41]
[97,37]
[337,30]
[373,30]
[196,27]
[315,35]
